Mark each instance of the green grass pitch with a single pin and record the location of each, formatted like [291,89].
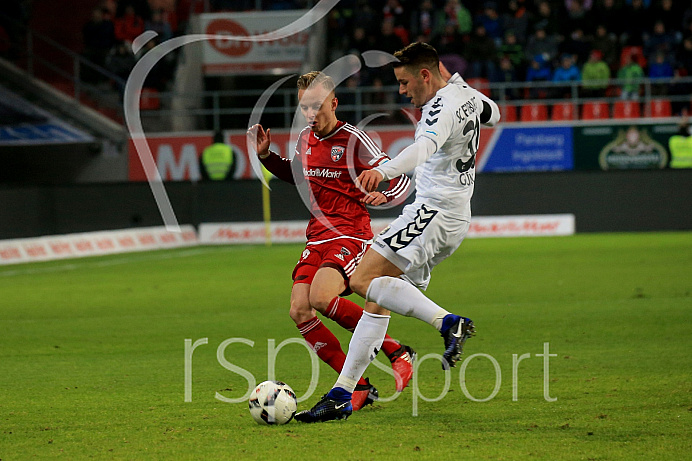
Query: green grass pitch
[92,356]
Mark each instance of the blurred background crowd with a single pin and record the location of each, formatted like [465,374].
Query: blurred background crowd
[584,41]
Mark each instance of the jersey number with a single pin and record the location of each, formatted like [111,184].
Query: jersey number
[475,127]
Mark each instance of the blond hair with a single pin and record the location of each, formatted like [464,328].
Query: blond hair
[315,78]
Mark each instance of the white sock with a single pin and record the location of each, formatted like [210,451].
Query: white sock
[401,297]
[365,343]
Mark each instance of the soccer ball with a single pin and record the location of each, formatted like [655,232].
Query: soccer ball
[273,402]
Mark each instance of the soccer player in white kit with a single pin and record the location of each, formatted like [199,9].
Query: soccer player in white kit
[429,230]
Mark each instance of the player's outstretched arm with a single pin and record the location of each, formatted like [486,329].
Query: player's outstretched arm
[490,114]
[260,140]
[415,154]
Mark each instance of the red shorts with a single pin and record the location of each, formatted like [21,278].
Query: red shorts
[341,254]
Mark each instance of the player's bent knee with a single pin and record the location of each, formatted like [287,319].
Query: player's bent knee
[359,284]
[300,312]
[320,301]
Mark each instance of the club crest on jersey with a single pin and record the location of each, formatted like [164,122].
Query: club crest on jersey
[337,152]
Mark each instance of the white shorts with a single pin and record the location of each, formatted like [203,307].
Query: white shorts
[420,239]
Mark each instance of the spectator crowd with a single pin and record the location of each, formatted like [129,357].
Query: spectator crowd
[561,41]
[114,24]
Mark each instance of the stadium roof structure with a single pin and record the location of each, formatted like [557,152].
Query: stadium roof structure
[25,124]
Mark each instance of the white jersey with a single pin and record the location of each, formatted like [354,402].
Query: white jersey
[451,119]
[443,155]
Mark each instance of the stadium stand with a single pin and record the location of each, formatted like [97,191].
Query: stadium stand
[516,33]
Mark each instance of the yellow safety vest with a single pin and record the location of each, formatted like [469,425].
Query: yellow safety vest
[680,151]
[217,160]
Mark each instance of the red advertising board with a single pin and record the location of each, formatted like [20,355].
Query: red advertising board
[177,155]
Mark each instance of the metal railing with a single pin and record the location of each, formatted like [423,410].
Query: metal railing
[361,102]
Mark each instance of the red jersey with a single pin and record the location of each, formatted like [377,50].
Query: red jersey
[325,170]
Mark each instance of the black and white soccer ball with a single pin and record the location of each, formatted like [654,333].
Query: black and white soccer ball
[273,402]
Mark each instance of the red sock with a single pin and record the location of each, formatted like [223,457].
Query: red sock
[324,343]
[347,313]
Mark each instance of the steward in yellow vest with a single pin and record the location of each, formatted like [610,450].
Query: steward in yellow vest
[680,146]
[217,160]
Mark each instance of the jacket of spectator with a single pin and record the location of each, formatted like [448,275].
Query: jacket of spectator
[567,71]
[606,44]
[543,44]
[595,73]
[98,34]
[630,72]
[129,26]
[539,70]
[516,19]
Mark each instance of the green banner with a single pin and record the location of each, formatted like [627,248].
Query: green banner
[622,146]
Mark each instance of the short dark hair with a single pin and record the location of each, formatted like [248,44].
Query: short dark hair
[417,56]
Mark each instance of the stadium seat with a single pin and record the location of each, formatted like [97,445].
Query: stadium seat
[480,84]
[534,113]
[508,113]
[626,109]
[595,110]
[149,99]
[563,111]
[659,108]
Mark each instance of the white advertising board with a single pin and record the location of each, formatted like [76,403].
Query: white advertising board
[222,56]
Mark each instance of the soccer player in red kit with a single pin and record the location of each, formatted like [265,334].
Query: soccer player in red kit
[329,156]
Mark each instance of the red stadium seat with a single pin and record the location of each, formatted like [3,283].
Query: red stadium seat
[563,111]
[659,108]
[149,99]
[534,113]
[508,113]
[480,84]
[626,109]
[595,110]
